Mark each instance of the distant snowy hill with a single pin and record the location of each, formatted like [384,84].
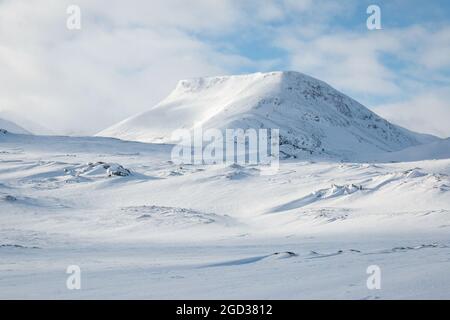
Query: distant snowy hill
[12,127]
[431,151]
[30,125]
[313,118]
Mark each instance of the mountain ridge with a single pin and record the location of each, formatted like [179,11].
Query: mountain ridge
[313,117]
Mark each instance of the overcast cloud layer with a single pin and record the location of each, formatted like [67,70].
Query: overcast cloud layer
[128,55]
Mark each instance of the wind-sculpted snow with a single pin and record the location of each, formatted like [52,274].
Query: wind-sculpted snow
[160,216]
[141,226]
[98,169]
[323,194]
[269,257]
[15,246]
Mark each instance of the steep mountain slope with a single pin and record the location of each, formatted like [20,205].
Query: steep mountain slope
[12,127]
[313,118]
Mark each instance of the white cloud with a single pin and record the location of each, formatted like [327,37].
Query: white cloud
[128,56]
[125,58]
[358,64]
[348,61]
[427,113]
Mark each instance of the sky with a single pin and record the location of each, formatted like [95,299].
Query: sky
[129,55]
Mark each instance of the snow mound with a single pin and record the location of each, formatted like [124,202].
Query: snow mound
[317,255]
[160,216]
[281,255]
[314,119]
[411,248]
[408,178]
[117,170]
[414,173]
[251,260]
[325,215]
[334,191]
[98,169]
[238,172]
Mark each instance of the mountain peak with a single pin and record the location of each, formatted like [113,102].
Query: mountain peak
[201,83]
[313,118]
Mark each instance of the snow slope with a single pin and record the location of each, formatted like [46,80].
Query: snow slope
[31,126]
[140,226]
[12,127]
[314,119]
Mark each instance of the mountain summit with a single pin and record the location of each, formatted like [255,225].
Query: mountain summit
[313,118]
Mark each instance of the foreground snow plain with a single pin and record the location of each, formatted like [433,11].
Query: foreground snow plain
[227,232]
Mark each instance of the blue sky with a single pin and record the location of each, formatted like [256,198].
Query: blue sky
[255,43]
[127,56]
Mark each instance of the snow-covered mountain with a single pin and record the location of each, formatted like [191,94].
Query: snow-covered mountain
[313,118]
[12,127]
[30,125]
